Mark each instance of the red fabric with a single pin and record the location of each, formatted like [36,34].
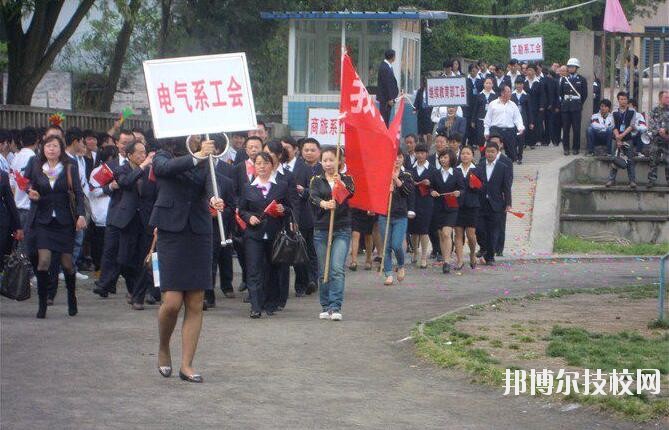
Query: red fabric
[423,189]
[21,181]
[340,192]
[475,182]
[482,149]
[250,168]
[212,212]
[152,175]
[451,201]
[517,214]
[104,175]
[240,222]
[272,210]
[370,148]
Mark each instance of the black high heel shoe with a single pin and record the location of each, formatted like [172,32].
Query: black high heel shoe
[192,378]
[166,371]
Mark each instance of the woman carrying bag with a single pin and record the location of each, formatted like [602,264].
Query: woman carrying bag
[328,191]
[262,205]
[56,212]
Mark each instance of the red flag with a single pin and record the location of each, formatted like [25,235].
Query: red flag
[475,182]
[240,222]
[395,129]
[370,149]
[250,168]
[272,210]
[423,189]
[212,211]
[152,175]
[22,182]
[104,175]
[516,214]
[451,201]
[339,192]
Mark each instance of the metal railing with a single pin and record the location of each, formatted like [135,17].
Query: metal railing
[17,116]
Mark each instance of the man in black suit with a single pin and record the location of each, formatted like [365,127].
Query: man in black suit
[474,87]
[534,87]
[109,270]
[495,198]
[387,90]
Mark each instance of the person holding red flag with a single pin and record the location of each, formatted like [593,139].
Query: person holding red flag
[329,191]
[470,202]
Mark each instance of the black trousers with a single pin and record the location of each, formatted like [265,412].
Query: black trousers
[535,135]
[110,269]
[490,227]
[222,260]
[97,235]
[510,141]
[499,247]
[555,127]
[238,246]
[385,112]
[262,277]
[306,273]
[5,244]
[571,121]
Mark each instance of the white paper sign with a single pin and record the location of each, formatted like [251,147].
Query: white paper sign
[323,125]
[527,49]
[447,91]
[198,95]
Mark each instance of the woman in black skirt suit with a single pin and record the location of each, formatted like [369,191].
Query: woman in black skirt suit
[470,203]
[423,113]
[261,230]
[53,218]
[419,225]
[362,225]
[447,184]
[181,215]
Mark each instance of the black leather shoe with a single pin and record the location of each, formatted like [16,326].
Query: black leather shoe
[191,378]
[300,293]
[446,268]
[566,152]
[311,288]
[242,286]
[100,291]
[254,315]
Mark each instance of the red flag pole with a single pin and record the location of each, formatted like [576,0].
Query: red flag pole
[328,250]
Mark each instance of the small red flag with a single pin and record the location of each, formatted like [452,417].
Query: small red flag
[212,211]
[516,214]
[339,192]
[104,175]
[240,222]
[250,168]
[451,201]
[423,189]
[22,182]
[475,182]
[152,175]
[272,210]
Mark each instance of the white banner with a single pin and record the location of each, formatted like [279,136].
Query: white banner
[527,49]
[198,95]
[323,126]
[447,91]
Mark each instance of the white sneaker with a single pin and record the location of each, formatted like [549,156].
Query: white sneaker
[336,316]
[324,315]
[61,276]
[81,276]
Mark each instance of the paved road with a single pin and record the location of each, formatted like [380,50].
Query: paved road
[97,370]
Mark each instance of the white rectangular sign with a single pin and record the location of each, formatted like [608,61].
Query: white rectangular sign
[447,91]
[324,125]
[198,95]
[527,49]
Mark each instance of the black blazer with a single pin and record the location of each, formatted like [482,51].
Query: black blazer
[293,197]
[455,182]
[496,189]
[239,178]
[253,203]
[148,191]
[320,190]
[9,216]
[521,101]
[225,169]
[240,157]
[114,195]
[183,194]
[481,105]
[55,199]
[471,97]
[303,174]
[129,204]
[535,102]
[386,84]
[470,197]
[226,192]
[623,121]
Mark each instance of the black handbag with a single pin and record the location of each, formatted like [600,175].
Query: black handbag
[289,246]
[16,276]
[618,161]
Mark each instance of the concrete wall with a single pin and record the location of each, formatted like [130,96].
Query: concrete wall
[53,91]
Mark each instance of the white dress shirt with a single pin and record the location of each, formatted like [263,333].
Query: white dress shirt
[503,115]
[4,164]
[490,167]
[446,173]
[290,166]
[19,165]
[420,169]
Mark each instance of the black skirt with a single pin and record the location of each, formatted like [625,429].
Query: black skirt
[444,219]
[467,217]
[361,222]
[184,260]
[54,236]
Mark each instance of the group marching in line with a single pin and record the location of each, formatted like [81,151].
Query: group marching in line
[112,201]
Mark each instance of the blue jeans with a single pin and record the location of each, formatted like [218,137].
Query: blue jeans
[332,292]
[599,137]
[397,231]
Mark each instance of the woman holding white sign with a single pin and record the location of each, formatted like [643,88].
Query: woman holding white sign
[181,215]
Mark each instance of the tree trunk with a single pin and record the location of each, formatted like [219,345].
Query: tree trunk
[165,18]
[32,53]
[116,65]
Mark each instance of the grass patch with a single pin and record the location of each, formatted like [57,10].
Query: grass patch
[442,342]
[573,245]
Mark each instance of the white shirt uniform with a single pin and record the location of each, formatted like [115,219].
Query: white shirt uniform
[599,123]
[503,115]
[19,165]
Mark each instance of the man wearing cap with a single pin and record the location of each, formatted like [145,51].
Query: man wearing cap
[573,91]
